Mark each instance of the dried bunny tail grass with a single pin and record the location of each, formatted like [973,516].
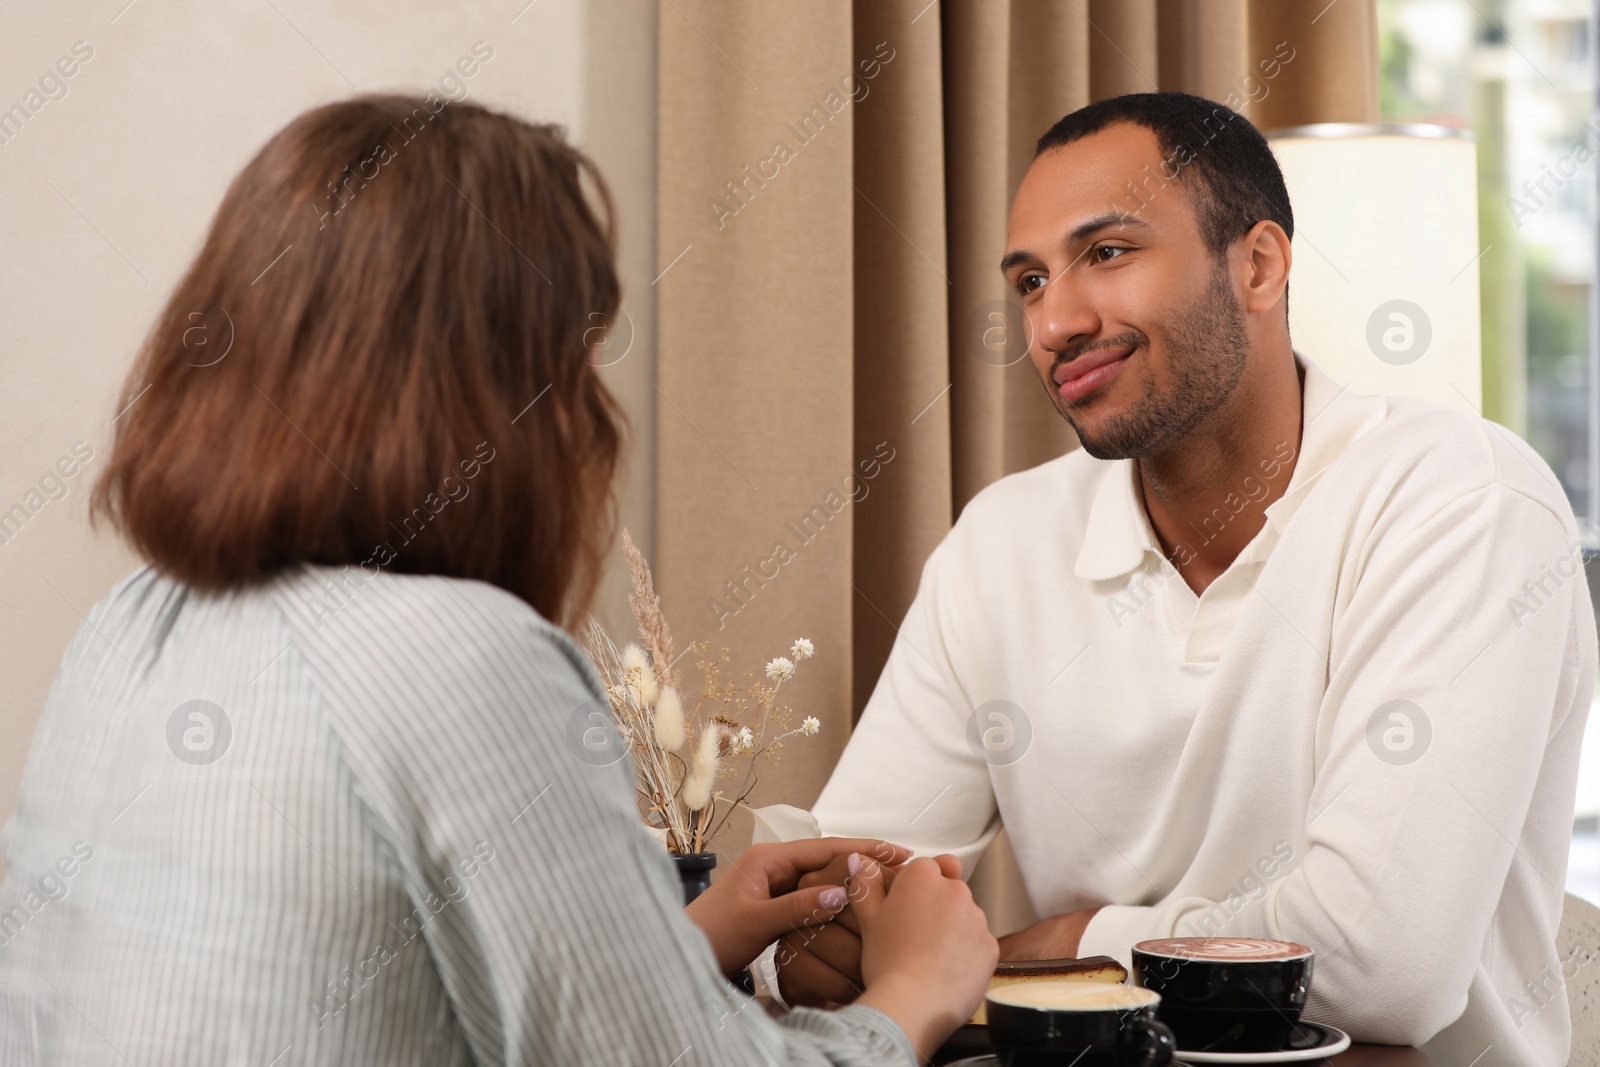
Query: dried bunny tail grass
[697,786]
[639,677]
[646,607]
[669,720]
[696,792]
[655,773]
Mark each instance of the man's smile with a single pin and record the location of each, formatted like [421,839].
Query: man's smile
[1079,377]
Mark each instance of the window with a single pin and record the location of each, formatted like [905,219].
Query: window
[1521,75]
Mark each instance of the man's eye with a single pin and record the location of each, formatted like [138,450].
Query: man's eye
[1030,283]
[1107,248]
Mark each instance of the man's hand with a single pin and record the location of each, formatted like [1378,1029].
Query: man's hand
[1055,938]
[821,967]
[749,907]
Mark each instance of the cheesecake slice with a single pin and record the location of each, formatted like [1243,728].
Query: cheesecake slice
[1088,969]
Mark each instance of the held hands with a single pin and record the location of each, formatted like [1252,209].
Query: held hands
[821,967]
[926,950]
[768,895]
[916,946]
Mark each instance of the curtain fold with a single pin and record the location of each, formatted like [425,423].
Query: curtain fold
[839,369]
[902,356]
[755,393]
[1203,46]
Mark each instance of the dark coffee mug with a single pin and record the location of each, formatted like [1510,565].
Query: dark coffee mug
[1085,1024]
[1226,994]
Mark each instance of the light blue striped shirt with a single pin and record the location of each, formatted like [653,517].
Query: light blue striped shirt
[346,819]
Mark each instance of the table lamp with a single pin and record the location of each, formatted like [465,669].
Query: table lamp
[1384,285]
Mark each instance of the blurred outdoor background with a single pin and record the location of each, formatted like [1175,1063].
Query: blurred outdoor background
[1521,75]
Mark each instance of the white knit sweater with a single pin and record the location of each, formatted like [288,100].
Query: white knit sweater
[1237,763]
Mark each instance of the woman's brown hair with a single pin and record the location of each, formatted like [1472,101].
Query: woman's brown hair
[380,358]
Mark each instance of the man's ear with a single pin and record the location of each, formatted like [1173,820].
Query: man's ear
[1270,257]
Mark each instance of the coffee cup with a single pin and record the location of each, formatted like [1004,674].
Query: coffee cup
[1226,994]
[1087,1024]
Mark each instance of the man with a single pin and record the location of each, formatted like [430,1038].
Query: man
[1265,658]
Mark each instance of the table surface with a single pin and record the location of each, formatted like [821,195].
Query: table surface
[1357,1055]
[1369,1056]
[1354,1056]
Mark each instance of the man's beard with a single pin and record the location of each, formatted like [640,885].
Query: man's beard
[1206,355]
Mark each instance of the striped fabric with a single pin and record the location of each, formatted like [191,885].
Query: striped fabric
[345,819]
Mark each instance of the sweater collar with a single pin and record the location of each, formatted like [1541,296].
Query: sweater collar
[1118,534]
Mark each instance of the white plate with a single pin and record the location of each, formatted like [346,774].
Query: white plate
[1332,1040]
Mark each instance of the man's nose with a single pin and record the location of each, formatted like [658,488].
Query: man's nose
[1062,317]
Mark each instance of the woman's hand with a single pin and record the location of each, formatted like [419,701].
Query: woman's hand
[751,906]
[822,968]
[926,951]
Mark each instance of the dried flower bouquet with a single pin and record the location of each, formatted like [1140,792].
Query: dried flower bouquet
[680,753]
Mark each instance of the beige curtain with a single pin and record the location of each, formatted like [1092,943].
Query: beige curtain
[838,369]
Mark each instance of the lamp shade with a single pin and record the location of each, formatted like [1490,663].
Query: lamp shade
[1383,292]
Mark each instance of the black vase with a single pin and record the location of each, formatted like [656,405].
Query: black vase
[694,868]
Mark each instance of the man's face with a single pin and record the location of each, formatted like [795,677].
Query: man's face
[1134,325]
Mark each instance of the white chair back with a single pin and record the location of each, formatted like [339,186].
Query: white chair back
[1579,941]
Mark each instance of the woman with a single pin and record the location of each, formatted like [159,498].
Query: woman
[309,789]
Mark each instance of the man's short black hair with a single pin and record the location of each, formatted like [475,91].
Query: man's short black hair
[1231,174]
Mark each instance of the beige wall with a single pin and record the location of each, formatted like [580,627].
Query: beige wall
[106,191]
[620,133]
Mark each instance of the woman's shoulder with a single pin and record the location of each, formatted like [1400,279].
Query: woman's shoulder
[131,621]
[328,593]
[411,669]
[400,625]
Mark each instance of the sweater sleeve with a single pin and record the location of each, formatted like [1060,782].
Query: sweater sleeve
[910,774]
[476,734]
[1447,682]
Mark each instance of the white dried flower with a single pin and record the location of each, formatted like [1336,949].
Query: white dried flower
[639,677]
[780,669]
[802,649]
[669,720]
[747,739]
[810,725]
[697,786]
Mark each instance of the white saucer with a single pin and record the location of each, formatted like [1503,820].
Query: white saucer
[1328,1040]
